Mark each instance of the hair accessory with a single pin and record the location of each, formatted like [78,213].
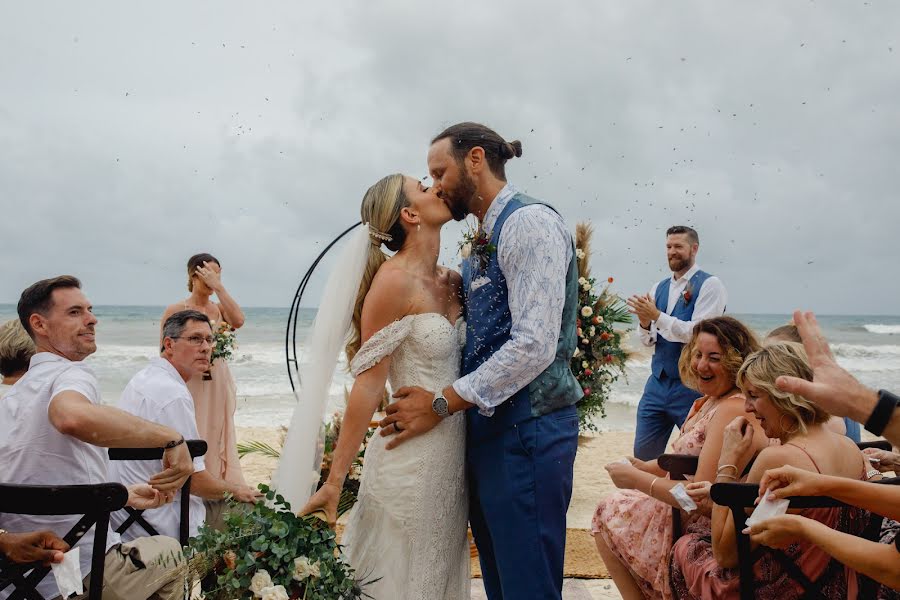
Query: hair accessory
[378,235]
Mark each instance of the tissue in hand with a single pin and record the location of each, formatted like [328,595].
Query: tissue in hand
[766,509]
[68,574]
[680,494]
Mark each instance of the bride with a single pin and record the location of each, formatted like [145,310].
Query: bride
[408,527]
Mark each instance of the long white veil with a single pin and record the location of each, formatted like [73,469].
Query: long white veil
[301,457]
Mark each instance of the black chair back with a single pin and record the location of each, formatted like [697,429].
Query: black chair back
[679,466]
[196,448]
[740,496]
[94,502]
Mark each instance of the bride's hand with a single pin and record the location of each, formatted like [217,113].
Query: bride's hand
[325,500]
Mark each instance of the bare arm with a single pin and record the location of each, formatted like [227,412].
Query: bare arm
[71,413]
[881,562]
[231,311]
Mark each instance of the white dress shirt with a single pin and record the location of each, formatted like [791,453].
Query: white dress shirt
[33,451]
[534,251]
[710,302]
[157,393]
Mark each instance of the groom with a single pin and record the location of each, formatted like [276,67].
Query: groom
[521,294]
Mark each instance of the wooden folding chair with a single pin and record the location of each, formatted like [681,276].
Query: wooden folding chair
[196,448]
[740,496]
[94,502]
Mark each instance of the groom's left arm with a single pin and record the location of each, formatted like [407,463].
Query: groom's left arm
[534,252]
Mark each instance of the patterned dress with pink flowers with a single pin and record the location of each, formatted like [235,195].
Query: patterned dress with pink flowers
[638,528]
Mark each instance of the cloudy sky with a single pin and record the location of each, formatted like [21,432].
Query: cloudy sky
[134,136]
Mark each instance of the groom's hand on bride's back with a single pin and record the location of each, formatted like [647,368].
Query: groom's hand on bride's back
[408,416]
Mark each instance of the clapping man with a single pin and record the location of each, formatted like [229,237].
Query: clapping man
[54,430]
[159,393]
[667,316]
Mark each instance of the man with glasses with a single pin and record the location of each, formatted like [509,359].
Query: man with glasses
[159,393]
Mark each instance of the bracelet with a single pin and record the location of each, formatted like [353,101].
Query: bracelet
[726,475]
[652,483]
[872,473]
[173,444]
[883,412]
[719,470]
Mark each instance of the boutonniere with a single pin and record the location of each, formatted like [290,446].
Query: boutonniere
[477,242]
[687,295]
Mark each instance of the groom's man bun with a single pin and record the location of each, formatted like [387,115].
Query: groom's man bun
[465,136]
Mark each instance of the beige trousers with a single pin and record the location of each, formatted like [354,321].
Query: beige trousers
[140,569]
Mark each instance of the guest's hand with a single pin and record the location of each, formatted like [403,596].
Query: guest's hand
[736,441]
[144,497]
[832,388]
[177,467]
[623,476]
[43,546]
[638,464]
[212,279]
[325,502]
[699,493]
[408,416]
[645,309]
[884,461]
[245,493]
[778,532]
[788,480]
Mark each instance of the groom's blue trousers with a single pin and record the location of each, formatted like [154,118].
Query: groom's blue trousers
[520,486]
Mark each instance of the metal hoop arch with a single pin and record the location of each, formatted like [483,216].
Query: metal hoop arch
[290,335]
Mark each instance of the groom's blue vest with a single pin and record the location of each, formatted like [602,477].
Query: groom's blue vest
[666,355]
[488,326]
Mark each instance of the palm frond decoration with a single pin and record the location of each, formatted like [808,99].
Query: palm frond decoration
[256,447]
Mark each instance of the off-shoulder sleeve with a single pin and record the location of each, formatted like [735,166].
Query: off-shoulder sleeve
[382,343]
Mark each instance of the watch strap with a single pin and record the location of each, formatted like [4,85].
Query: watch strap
[884,410]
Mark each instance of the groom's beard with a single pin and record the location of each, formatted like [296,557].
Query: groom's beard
[458,201]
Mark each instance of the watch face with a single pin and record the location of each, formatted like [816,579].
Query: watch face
[441,406]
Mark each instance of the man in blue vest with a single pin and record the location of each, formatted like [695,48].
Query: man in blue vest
[667,316]
[520,285]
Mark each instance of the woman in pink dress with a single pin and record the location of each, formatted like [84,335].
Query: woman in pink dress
[215,395]
[633,527]
[704,562]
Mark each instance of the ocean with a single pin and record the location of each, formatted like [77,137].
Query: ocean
[868,346]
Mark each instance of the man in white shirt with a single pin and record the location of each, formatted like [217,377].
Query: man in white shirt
[667,316]
[54,430]
[158,393]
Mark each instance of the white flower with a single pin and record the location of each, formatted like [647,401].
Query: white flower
[586,311]
[355,472]
[577,353]
[592,331]
[582,281]
[466,250]
[586,286]
[303,568]
[362,447]
[584,364]
[275,592]
[579,253]
[599,319]
[261,580]
[585,341]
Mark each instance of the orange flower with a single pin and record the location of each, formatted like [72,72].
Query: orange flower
[610,280]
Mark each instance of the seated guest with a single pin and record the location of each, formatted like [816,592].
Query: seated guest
[159,394]
[54,430]
[884,460]
[704,562]
[881,562]
[836,390]
[633,528]
[16,350]
[34,546]
[843,426]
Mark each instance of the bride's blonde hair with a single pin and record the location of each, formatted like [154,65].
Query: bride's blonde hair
[380,208]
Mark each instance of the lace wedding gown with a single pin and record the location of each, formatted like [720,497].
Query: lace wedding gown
[409,524]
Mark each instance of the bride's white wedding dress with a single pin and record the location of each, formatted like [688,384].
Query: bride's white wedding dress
[409,524]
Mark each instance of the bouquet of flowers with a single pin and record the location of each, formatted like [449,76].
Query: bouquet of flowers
[599,358]
[224,344]
[477,241]
[270,553]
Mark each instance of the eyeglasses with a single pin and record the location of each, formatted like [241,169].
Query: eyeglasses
[197,340]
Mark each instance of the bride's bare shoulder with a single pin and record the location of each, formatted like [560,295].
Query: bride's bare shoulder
[389,295]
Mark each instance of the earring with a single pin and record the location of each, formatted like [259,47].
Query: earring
[419,227]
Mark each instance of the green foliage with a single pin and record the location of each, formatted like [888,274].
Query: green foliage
[599,358]
[270,537]
[255,447]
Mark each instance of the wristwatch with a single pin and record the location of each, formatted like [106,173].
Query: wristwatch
[440,406]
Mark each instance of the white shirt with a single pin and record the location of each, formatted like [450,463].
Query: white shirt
[33,451]
[4,388]
[157,393]
[710,302]
[534,251]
